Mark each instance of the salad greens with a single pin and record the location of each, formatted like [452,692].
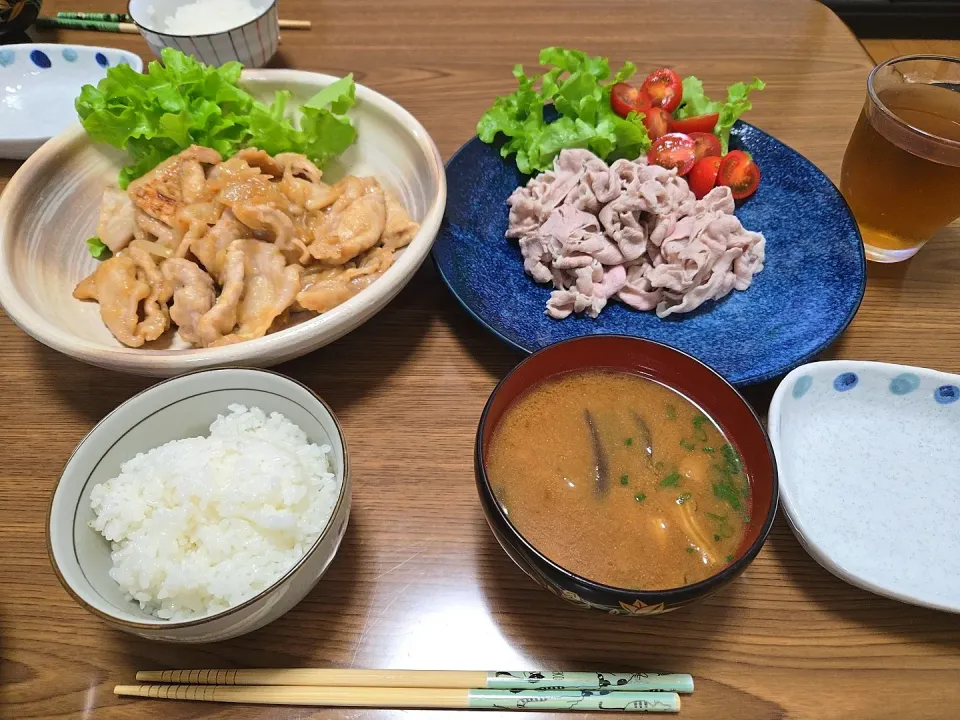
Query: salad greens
[695,102]
[574,82]
[184,102]
[579,87]
[97,249]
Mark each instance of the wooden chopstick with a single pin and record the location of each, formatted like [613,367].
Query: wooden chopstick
[125,18]
[393,697]
[442,679]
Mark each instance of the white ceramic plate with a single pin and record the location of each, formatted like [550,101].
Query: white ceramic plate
[51,205]
[869,480]
[38,84]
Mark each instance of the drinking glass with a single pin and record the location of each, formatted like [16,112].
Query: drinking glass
[901,170]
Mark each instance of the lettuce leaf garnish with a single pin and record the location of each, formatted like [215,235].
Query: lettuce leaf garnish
[183,102]
[695,102]
[574,82]
[97,249]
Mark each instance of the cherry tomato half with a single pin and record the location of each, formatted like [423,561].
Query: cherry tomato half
[697,123]
[625,98]
[664,88]
[703,177]
[673,150]
[705,144]
[657,122]
[738,172]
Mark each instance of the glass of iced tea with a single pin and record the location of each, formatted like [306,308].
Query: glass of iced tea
[901,170]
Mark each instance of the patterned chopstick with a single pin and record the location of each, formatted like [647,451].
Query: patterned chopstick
[126,18]
[58,23]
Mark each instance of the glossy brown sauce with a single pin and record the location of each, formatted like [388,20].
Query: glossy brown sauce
[620,480]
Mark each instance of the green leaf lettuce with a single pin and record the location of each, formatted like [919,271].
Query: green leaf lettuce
[695,102]
[573,82]
[183,102]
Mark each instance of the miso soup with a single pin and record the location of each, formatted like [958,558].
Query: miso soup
[620,480]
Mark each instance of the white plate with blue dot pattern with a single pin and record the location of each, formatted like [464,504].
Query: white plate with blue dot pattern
[38,84]
[867,455]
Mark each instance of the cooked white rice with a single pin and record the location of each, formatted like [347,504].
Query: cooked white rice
[202,524]
[204,17]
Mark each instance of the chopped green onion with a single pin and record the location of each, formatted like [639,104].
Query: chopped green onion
[671,480]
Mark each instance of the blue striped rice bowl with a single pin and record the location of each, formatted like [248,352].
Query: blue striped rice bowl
[252,44]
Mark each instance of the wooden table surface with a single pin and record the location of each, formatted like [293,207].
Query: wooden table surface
[419,581]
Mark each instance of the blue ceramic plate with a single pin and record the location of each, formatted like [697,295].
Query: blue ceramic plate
[807,294]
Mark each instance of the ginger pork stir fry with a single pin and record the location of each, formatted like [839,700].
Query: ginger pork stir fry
[226,250]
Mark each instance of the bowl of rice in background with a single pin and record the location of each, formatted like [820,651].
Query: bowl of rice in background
[213,31]
[203,508]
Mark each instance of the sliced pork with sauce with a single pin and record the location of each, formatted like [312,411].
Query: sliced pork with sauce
[227,249]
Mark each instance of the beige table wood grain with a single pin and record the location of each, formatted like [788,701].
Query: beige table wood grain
[419,581]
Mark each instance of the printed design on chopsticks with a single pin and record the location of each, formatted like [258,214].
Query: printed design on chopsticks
[40,59]
[801,386]
[845,381]
[946,394]
[904,383]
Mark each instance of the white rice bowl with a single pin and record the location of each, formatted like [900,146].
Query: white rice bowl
[202,524]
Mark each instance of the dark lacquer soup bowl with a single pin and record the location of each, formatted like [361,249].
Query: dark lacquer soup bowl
[684,374]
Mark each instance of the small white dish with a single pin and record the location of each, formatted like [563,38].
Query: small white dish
[251,42]
[51,205]
[176,409]
[869,479]
[38,84]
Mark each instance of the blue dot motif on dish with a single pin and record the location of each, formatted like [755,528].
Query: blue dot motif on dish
[946,394]
[806,295]
[102,59]
[904,384]
[801,386]
[6,57]
[69,54]
[40,59]
[845,381]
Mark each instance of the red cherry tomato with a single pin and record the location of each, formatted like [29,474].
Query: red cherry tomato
[664,88]
[705,145]
[703,177]
[625,98]
[657,122]
[673,150]
[738,172]
[697,123]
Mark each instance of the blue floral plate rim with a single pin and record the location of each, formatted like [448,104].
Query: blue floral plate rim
[754,379]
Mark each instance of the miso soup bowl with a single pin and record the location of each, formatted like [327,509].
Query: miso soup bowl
[679,371]
[172,410]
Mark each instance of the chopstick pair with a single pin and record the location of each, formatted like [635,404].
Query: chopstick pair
[123,23]
[636,692]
